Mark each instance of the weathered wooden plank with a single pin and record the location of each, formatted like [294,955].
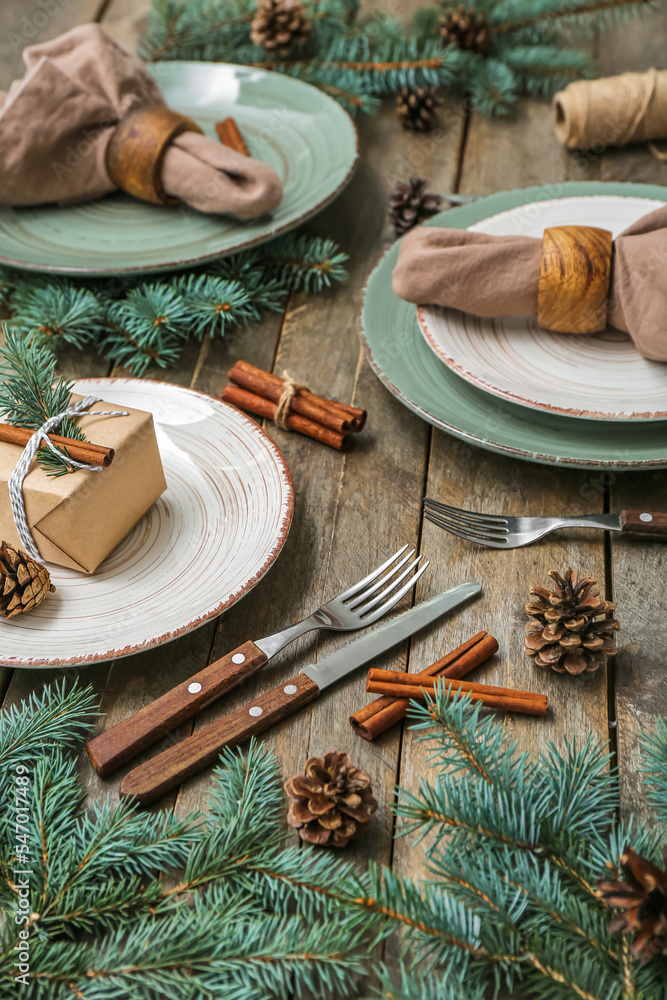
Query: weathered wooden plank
[506,154]
[638,567]
[351,509]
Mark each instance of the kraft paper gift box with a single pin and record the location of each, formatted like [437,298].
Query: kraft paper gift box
[77,519]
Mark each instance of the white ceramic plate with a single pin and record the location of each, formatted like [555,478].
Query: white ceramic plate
[206,542]
[599,377]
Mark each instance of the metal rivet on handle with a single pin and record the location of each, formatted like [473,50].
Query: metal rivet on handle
[290,689]
[646,517]
[255,711]
[194,688]
[238,658]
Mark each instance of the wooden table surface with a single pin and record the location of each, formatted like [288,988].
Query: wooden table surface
[353,509]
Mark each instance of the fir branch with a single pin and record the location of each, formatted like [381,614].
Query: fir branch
[654,768]
[149,323]
[49,311]
[508,904]
[517,15]
[58,718]
[304,263]
[30,394]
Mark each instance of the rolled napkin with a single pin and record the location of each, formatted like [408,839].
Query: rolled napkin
[57,125]
[497,276]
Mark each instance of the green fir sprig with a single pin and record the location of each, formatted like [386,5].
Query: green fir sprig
[515,846]
[358,58]
[30,394]
[138,323]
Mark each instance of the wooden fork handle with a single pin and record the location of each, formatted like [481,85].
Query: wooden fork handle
[643,522]
[168,769]
[122,742]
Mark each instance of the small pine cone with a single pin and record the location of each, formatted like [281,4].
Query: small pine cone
[410,203]
[24,583]
[279,26]
[568,629]
[333,800]
[417,107]
[642,899]
[466,28]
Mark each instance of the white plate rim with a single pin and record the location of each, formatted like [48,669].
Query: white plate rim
[195,623]
[423,316]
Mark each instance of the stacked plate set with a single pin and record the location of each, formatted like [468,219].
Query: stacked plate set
[507,385]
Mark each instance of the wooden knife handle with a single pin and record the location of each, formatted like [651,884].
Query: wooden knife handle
[643,522]
[163,772]
[122,742]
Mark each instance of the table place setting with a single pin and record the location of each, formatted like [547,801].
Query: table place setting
[309,311]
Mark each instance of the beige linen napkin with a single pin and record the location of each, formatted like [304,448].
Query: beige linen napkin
[499,276]
[55,125]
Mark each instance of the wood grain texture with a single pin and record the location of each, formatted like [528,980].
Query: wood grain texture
[354,508]
[121,743]
[149,781]
[643,522]
[637,566]
[574,279]
[516,153]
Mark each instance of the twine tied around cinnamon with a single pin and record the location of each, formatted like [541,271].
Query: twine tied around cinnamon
[39,438]
[613,111]
[290,390]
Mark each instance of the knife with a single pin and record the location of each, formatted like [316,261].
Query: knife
[158,775]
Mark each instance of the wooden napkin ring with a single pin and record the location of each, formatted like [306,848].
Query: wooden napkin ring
[137,149]
[574,279]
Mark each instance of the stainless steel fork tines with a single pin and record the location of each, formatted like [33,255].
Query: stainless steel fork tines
[503,532]
[361,604]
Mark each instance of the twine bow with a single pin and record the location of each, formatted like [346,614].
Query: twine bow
[290,389]
[39,438]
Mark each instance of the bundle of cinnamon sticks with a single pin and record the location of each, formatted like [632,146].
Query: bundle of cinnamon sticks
[398,688]
[325,420]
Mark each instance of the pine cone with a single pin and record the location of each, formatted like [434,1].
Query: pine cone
[410,203]
[566,630]
[417,107]
[24,582]
[642,898]
[332,800]
[280,25]
[466,28]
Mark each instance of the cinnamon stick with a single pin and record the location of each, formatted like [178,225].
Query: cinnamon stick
[397,683]
[253,403]
[230,135]
[80,451]
[377,717]
[337,416]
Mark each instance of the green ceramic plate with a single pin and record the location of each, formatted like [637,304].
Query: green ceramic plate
[402,359]
[308,139]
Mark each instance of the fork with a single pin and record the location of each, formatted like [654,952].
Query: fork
[358,606]
[500,532]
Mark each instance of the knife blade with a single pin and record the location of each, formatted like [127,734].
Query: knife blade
[163,772]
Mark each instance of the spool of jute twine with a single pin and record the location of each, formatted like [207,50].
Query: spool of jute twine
[613,111]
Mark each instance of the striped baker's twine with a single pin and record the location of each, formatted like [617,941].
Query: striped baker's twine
[22,469]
